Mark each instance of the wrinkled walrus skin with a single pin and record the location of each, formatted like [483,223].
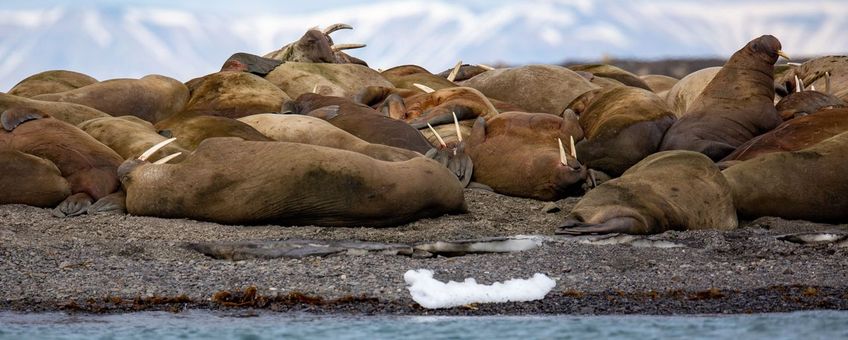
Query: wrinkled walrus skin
[808,184]
[671,190]
[230,181]
[737,105]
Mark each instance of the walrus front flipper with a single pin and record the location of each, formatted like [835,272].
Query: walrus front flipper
[115,202]
[13,117]
[624,225]
[76,204]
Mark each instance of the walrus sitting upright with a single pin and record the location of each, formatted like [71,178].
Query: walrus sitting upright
[671,190]
[737,105]
[89,167]
[242,182]
[808,184]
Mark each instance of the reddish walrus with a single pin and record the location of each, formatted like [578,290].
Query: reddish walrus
[518,154]
[88,167]
[227,180]
[737,105]
[808,184]
[671,190]
[622,125]
[793,135]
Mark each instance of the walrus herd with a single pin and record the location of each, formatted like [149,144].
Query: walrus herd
[309,135]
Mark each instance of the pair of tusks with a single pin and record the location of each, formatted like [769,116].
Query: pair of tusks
[439,137]
[144,156]
[799,84]
[335,27]
[562,157]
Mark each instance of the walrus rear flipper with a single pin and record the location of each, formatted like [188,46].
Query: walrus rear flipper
[624,225]
[76,204]
[13,117]
[112,203]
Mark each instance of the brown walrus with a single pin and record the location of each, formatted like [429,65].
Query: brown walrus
[233,95]
[30,180]
[659,84]
[536,88]
[316,131]
[438,107]
[802,103]
[243,182]
[342,80]
[246,62]
[517,154]
[688,88]
[465,72]
[88,166]
[622,125]
[671,190]
[737,105]
[151,98]
[612,72]
[793,135]
[406,76]
[67,112]
[51,82]
[129,136]
[317,47]
[808,184]
[828,74]
[190,129]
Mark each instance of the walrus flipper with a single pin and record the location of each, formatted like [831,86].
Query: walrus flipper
[624,225]
[76,204]
[13,117]
[112,203]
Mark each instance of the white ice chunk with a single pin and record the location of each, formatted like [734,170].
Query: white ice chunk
[431,293]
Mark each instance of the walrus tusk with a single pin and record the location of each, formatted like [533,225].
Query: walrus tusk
[573,149]
[315,89]
[155,148]
[793,64]
[456,123]
[165,159]
[802,85]
[798,85]
[827,82]
[455,71]
[335,27]
[339,47]
[783,54]
[486,67]
[424,88]
[812,87]
[562,159]
[441,141]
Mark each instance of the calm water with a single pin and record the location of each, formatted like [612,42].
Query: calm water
[214,325]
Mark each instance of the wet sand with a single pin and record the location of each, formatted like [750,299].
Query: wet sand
[113,263]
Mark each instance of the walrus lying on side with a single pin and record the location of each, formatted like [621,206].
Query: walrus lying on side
[671,190]
[808,184]
[233,95]
[67,112]
[51,82]
[191,129]
[129,136]
[231,181]
[737,105]
[87,167]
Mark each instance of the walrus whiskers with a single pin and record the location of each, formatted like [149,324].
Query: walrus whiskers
[165,159]
[562,158]
[335,27]
[144,156]
[424,88]
[339,47]
[573,149]
[455,71]
[456,123]
[441,141]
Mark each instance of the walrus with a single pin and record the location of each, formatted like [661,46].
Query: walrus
[67,112]
[684,92]
[536,88]
[406,76]
[316,131]
[391,101]
[807,184]
[250,63]
[438,107]
[88,166]
[317,47]
[30,180]
[802,103]
[517,154]
[612,72]
[129,136]
[342,80]
[659,84]
[622,125]
[670,190]
[793,135]
[465,72]
[828,74]
[151,98]
[232,181]
[233,95]
[191,129]
[737,105]
[54,81]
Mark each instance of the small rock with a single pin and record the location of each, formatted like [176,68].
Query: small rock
[550,207]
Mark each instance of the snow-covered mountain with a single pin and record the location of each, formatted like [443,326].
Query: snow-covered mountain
[111,39]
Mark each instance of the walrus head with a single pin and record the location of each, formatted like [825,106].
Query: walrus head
[768,47]
[453,157]
[127,167]
[316,46]
[246,62]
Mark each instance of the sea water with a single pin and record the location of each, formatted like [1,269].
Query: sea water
[197,324]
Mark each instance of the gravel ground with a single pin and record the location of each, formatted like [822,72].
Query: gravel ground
[110,263]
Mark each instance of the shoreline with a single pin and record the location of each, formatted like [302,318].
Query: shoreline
[47,263]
